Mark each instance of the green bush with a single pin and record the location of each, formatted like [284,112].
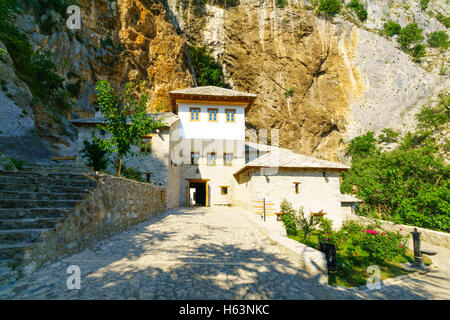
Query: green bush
[8,11]
[38,71]
[392,28]
[417,52]
[329,7]
[281,3]
[95,154]
[443,19]
[359,9]
[207,71]
[288,218]
[362,146]
[388,135]
[289,92]
[424,4]
[438,39]
[372,243]
[132,174]
[409,36]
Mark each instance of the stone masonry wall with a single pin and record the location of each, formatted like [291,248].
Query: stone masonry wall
[113,206]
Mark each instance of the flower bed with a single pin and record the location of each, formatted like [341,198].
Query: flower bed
[357,246]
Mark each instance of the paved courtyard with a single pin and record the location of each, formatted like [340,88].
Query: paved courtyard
[201,253]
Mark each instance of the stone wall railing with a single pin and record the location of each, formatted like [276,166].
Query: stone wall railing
[113,206]
[437,238]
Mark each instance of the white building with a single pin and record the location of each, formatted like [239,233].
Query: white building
[202,157]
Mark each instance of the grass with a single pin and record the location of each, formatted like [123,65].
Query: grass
[350,275]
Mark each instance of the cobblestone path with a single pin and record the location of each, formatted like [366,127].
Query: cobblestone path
[200,253]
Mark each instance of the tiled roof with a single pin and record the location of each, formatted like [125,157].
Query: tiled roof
[213,91]
[349,198]
[285,158]
[168,118]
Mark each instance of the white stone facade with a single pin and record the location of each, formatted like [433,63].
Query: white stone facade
[304,181]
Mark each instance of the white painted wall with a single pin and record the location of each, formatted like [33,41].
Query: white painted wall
[204,129]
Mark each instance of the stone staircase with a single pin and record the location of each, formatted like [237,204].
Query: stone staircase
[32,201]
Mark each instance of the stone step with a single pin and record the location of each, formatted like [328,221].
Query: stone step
[54,175]
[55,167]
[20,203]
[22,235]
[14,251]
[52,181]
[33,223]
[20,195]
[46,188]
[32,213]
[65,171]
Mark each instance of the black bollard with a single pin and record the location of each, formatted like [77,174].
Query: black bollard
[418,260]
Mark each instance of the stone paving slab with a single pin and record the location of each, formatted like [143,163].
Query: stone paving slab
[198,253]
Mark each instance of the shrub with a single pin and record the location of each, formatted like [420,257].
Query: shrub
[207,71]
[8,11]
[388,135]
[410,35]
[38,71]
[288,218]
[329,7]
[438,39]
[424,4]
[96,155]
[392,28]
[443,19]
[417,52]
[289,92]
[281,3]
[359,9]
[306,224]
[382,245]
[362,146]
[132,174]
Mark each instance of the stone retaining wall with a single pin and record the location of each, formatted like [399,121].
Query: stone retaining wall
[437,238]
[113,206]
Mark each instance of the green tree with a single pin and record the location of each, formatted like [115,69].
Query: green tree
[329,7]
[359,9]
[126,118]
[392,28]
[438,39]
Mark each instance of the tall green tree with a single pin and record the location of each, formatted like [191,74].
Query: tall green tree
[126,118]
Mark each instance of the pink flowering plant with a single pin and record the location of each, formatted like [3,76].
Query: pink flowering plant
[371,244]
[383,245]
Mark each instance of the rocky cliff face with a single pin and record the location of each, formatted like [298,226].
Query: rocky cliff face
[320,82]
[345,79]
